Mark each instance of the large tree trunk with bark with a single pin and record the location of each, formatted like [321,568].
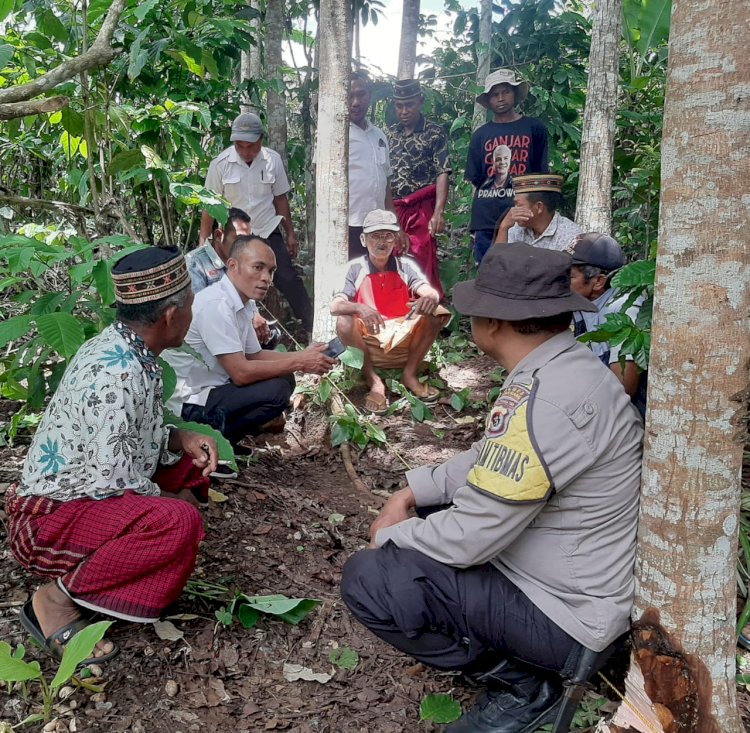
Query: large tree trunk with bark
[594,204]
[275,101]
[250,62]
[332,160]
[484,55]
[407,51]
[698,377]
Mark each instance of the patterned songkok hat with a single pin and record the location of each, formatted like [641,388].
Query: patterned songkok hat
[535,182]
[149,274]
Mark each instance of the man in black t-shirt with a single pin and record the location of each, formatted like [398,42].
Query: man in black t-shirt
[526,137]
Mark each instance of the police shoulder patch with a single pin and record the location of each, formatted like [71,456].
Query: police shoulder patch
[509,466]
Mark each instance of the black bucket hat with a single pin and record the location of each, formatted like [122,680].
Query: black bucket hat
[517,281]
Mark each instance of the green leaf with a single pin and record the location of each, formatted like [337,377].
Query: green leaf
[46,303]
[248,616]
[636,274]
[103,282]
[339,433]
[144,9]
[169,378]
[439,708]
[325,389]
[226,452]
[62,332]
[153,161]
[72,121]
[80,647]
[14,328]
[344,658]
[126,160]
[6,50]
[223,616]
[353,357]
[16,670]
[138,56]
[291,610]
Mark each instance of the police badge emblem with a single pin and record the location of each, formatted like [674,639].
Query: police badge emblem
[508,401]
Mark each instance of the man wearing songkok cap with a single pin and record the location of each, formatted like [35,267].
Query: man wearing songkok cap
[389,310]
[522,551]
[596,259]
[252,178]
[421,168]
[525,150]
[99,509]
[535,218]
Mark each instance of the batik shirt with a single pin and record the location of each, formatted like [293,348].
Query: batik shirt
[103,432]
[417,159]
[204,266]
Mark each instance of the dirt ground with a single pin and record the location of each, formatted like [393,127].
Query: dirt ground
[275,533]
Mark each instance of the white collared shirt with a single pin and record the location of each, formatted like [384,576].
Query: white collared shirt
[221,324]
[369,170]
[250,187]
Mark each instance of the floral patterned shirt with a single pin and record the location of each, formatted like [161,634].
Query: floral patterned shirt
[103,431]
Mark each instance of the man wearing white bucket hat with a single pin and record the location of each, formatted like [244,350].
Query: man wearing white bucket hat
[526,137]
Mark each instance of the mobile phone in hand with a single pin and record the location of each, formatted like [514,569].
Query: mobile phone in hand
[334,348]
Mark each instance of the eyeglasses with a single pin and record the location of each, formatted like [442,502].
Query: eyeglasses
[378,237]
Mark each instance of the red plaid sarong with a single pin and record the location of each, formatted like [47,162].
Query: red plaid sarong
[127,556]
[414,213]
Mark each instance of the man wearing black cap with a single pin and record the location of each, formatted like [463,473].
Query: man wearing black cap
[596,258]
[532,561]
[421,168]
[91,513]
[252,178]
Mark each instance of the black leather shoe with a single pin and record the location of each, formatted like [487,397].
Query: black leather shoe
[508,711]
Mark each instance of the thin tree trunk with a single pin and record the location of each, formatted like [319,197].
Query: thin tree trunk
[332,160]
[484,55]
[407,52]
[275,102]
[698,376]
[250,65]
[594,204]
[309,124]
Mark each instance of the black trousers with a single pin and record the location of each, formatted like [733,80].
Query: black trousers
[355,243]
[239,411]
[450,618]
[288,281]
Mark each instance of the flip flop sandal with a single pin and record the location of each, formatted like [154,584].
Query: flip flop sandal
[430,397]
[223,471]
[376,406]
[54,644]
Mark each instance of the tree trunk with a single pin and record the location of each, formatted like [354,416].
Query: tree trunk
[407,52]
[594,204]
[484,55]
[309,124]
[250,65]
[698,376]
[332,160]
[275,102]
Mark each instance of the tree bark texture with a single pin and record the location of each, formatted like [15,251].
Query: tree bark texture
[594,203]
[34,107]
[407,51]
[484,56]
[332,160]
[275,101]
[698,375]
[250,65]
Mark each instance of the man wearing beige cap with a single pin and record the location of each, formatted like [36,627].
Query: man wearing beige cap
[252,178]
[520,557]
[535,218]
[526,137]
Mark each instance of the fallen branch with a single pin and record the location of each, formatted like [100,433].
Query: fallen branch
[38,106]
[99,55]
[32,203]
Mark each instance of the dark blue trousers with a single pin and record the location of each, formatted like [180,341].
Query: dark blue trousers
[450,618]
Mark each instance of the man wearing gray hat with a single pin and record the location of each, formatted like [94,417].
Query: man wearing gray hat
[596,258]
[252,178]
[520,557]
[525,136]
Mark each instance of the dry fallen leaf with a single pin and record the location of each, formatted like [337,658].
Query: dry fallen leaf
[167,630]
[217,497]
[294,672]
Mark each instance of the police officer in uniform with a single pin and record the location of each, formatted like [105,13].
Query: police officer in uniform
[529,557]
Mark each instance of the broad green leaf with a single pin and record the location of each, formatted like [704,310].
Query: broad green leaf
[144,9]
[248,616]
[46,303]
[72,121]
[344,658]
[439,708]
[79,648]
[224,617]
[636,274]
[226,453]
[69,143]
[62,332]
[300,612]
[14,328]
[126,160]
[339,434]
[646,24]
[16,670]
[103,282]
[325,389]
[375,432]
[6,50]
[52,26]
[169,378]
[291,610]
[138,56]
[353,357]
[152,158]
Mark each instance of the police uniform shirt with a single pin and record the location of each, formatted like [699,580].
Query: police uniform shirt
[251,188]
[549,496]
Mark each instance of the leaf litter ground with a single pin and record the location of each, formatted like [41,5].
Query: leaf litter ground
[279,531]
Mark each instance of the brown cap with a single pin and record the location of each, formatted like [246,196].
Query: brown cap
[517,281]
[535,182]
[149,274]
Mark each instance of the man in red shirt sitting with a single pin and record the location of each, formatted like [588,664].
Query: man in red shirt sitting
[388,309]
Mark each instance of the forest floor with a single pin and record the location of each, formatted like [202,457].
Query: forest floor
[289,522]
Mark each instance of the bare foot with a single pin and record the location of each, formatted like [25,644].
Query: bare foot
[54,610]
